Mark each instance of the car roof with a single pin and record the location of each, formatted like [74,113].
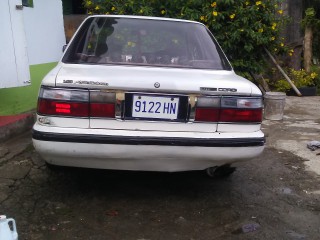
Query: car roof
[146,17]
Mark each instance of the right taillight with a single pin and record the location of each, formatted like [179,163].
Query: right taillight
[241,109]
[228,109]
[207,109]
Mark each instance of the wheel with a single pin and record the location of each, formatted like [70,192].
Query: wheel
[220,171]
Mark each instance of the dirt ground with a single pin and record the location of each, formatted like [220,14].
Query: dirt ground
[273,197]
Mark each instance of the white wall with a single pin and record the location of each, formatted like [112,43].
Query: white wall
[14,66]
[44,30]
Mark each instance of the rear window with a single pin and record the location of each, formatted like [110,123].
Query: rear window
[130,41]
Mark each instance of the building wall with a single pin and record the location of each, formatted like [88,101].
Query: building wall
[14,63]
[44,31]
[23,99]
[45,38]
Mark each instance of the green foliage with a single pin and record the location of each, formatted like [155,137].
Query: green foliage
[300,78]
[243,27]
[310,19]
[27,3]
[316,69]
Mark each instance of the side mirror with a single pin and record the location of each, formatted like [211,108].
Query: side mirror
[64,47]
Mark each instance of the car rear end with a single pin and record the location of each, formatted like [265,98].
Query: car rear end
[146,110]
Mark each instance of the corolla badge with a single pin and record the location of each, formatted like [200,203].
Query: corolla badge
[218,89]
[156,85]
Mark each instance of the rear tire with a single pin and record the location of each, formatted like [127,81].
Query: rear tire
[220,171]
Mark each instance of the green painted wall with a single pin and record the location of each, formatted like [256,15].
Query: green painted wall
[22,99]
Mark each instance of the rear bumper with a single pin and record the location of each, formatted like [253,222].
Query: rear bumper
[145,152]
[145,140]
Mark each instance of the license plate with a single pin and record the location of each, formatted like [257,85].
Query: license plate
[155,107]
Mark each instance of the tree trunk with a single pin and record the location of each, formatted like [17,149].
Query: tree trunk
[307,55]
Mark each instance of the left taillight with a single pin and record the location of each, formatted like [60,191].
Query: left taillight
[76,103]
[102,104]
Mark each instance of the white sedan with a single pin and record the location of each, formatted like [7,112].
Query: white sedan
[150,94]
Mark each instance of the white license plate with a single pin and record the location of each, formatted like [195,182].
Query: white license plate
[155,107]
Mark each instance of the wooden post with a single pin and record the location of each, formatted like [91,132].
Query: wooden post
[283,73]
[307,53]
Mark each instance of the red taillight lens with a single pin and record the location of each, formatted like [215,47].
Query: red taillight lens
[102,110]
[63,108]
[102,104]
[207,115]
[228,109]
[240,115]
[52,107]
[207,109]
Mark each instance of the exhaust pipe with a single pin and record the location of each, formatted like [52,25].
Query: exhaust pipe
[220,171]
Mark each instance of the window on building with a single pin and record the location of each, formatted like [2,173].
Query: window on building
[27,3]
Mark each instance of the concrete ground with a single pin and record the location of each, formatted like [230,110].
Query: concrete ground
[300,125]
[275,196]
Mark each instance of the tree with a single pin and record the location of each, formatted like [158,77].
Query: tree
[242,27]
[311,24]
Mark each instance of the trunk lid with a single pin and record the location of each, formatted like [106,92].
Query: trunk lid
[129,82]
[171,80]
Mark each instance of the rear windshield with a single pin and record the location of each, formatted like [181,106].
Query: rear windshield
[129,41]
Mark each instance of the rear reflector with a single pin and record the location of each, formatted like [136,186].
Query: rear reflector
[240,115]
[102,110]
[207,115]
